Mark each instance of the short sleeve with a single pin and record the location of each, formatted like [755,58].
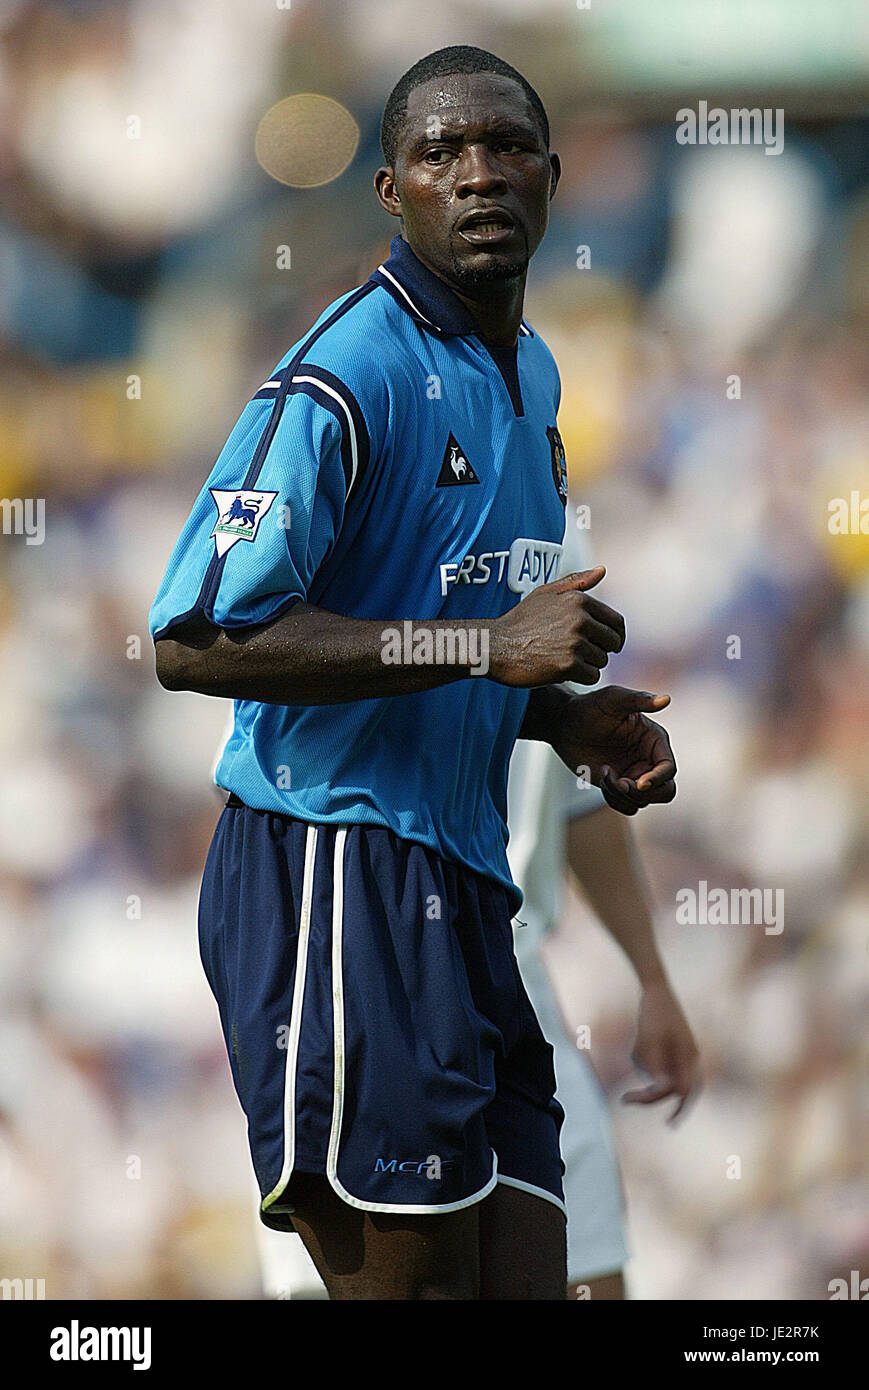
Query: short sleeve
[271,510]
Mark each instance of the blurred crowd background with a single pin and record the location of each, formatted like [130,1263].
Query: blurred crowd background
[715,372]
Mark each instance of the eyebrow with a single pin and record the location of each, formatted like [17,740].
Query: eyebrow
[500,129]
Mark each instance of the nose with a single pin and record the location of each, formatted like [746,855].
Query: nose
[478,172]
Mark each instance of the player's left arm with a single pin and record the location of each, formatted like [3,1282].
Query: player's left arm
[603,857]
[608,737]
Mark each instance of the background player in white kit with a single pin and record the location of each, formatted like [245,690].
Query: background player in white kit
[554,819]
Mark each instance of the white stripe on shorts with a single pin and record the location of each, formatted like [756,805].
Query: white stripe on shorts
[338,1100]
[296,1020]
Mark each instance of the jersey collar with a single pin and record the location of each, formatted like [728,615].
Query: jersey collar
[424,296]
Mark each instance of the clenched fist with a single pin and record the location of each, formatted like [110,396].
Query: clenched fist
[558,633]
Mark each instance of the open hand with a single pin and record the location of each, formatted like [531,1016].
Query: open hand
[665,1050]
[609,733]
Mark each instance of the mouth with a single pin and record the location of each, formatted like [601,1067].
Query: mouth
[486,226]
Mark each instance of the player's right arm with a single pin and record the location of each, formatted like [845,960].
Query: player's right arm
[312,656]
[309,656]
[233,618]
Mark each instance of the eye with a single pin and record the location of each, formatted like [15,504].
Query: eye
[511,146]
[432,156]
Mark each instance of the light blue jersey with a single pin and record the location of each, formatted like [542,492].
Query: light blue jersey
[392,467]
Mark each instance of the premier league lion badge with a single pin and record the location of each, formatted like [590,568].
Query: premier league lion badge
[239,514]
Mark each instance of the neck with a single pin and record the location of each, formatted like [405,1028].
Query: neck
[499,314]
[497,307]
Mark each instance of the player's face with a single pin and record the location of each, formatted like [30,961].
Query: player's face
[473,178]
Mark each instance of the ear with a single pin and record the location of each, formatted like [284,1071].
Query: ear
[555,174]
[387,193]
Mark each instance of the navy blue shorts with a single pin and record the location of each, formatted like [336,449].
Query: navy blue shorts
[376,1023]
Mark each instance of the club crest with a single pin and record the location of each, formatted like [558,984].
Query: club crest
[559,461]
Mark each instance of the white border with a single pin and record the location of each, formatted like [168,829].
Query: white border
[523,331]
[296,1022]
[408,1209]
[389,276]
[354,445]
[537,1191]
[330,391]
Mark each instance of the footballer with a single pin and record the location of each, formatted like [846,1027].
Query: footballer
[370,574]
